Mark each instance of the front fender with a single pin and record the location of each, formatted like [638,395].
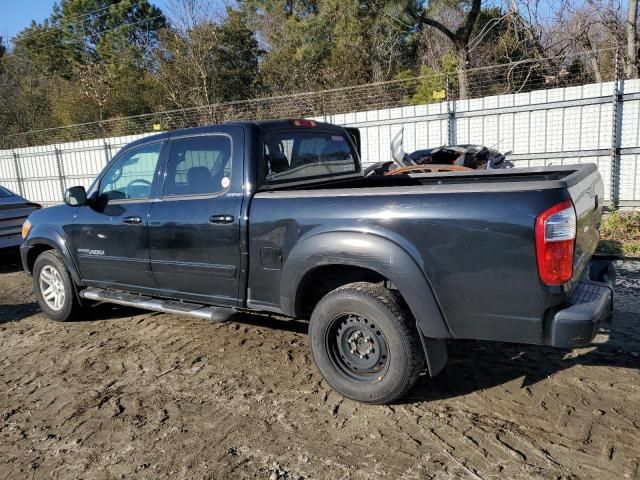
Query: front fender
[370,251]
[41,235]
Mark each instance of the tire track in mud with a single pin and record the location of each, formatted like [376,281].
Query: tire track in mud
[134,394]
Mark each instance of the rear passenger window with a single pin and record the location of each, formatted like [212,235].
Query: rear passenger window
[199,166]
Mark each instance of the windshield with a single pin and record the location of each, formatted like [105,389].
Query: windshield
[296,155]
[5,193]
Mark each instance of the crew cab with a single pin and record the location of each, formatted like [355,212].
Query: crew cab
[279,217]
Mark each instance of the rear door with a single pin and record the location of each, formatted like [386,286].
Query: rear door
[110,233]
[194,227]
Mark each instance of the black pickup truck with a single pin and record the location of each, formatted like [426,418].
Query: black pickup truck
[278,217]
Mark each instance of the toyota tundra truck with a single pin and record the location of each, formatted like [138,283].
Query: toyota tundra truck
[278,217]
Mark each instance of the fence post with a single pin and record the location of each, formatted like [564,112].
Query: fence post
[16,166]
[61,176]
[451,116]
[107,152]
[616,128]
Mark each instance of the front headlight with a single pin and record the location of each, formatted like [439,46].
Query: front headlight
[26,226]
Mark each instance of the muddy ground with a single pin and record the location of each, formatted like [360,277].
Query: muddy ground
[132,394]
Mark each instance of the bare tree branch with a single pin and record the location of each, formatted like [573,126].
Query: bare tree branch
[422,19]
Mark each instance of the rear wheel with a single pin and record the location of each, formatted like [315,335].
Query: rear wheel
[365,343]
[53,287]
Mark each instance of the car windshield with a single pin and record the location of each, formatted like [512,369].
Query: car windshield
[296,155]
[4,193]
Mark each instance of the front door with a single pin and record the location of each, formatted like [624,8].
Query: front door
[110,237]
[194,227]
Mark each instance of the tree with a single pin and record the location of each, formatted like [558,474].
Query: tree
[209,62]
[80,31]
[430,86]
[314,44]
[90,60]
[459,38]
[3,50]
[632,39]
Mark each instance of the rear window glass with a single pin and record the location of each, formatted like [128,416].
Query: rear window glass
[297,155]
[199,166]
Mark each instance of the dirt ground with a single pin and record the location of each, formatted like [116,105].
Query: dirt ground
[132,394]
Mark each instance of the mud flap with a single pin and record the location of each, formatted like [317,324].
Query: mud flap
[435,351]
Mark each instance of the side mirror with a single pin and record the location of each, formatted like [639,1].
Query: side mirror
[75,196]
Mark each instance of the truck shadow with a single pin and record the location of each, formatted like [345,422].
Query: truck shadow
[478,365]
[10,260]
[99,312]
[108,311]
[610,247]
[475,366]
[272,322]
[13,313]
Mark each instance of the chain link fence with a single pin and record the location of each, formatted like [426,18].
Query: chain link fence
[510,78]
[543,111]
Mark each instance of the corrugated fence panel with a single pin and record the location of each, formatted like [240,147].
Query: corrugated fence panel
[44,191]
[7,169]
[11,185]
[553,126]
[629,181]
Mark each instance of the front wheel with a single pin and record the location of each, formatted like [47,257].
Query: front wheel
[53,287]
[365,343]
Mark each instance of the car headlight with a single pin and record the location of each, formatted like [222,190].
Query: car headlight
[26,226]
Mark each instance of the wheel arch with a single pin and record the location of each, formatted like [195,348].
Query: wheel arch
[43,240]
[361,255]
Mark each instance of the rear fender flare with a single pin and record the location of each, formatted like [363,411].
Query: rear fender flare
[370,251]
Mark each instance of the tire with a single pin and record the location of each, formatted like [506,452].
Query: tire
[49,271]
[365,343]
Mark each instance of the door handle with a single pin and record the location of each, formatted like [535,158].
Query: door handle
[132,220]
[221,219]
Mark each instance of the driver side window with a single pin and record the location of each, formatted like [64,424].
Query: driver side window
[131,176]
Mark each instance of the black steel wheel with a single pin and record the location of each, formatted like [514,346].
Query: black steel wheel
[365,343]
[356,348]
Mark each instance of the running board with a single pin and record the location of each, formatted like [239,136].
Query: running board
[213,314]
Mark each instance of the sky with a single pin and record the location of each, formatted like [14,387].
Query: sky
[16,15]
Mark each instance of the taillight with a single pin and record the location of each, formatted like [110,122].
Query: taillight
[555,238]
[304,123]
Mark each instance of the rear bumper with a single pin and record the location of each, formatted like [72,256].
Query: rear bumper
[590,306]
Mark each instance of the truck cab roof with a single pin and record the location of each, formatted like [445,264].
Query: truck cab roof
[262,125]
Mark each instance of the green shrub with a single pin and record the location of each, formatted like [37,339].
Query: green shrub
[620,234]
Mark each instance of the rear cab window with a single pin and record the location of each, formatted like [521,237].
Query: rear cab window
[305,154]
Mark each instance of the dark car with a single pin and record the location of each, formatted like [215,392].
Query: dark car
[14,210]
[279,217]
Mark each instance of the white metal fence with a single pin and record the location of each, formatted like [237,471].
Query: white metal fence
[597,123]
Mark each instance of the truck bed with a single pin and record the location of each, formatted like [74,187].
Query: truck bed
[476,248]
[490,180]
